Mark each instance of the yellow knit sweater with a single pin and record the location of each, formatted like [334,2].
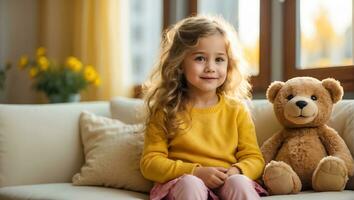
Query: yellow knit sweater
[222,135]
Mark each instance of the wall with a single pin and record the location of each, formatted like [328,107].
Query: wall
[18,35]
[28,25]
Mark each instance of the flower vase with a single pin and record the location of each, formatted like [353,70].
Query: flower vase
[59,98]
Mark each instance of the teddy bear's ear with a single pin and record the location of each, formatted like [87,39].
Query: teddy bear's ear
[273,90]
[334,88]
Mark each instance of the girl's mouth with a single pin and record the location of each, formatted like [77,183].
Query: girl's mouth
[208,78]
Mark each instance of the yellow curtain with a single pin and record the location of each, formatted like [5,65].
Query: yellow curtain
[96,32]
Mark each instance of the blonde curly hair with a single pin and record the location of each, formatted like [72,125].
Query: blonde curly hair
[166,90]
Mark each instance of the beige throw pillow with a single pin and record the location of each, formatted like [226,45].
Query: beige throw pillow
[112,154]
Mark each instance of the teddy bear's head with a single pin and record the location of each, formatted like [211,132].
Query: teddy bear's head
[304,101]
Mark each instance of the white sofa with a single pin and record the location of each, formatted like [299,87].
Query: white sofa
[40,148]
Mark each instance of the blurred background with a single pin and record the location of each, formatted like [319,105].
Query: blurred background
[99,49]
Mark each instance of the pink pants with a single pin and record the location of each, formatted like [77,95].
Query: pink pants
[191,187]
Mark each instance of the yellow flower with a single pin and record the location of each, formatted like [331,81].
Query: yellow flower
[23,61]
[43,63]
[33,72]
[97,81]
[73,63]
[90,73]
[41,51]
[47,76]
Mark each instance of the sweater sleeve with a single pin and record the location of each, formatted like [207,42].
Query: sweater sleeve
[249,157]
[155,164]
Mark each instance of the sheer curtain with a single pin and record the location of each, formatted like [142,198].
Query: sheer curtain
[96,31]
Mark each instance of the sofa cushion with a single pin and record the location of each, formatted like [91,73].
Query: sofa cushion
[41,143]
[342,119]
[112,154]
[66,191]
[264,119]
[127,110]
[311,195]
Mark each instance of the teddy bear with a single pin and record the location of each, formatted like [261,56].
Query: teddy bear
[306,153]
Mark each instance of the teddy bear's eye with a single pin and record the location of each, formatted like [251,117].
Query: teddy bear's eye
[289,97]
[313,97]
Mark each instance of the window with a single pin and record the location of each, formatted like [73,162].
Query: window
[146,21]
[251,19]
[318,40]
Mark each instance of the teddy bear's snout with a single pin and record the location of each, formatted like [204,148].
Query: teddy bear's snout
[301,104]
[300,110]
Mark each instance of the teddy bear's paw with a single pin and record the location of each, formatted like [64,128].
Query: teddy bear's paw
[279,178]
[331,174]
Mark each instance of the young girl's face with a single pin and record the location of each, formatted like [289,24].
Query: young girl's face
[205,66]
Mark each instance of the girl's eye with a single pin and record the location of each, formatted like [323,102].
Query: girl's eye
[219,59]
[314,98]
[289,97]
[199,58]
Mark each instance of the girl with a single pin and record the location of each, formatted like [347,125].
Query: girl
[200,141]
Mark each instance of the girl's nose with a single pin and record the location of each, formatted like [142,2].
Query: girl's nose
[209,67]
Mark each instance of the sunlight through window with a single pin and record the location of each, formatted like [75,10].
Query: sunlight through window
[324,33]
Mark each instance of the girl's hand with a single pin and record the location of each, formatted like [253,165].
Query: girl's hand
[213,177]
[232,171]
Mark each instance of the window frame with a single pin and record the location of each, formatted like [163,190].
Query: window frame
[344,74]
[166,14]
[262,80]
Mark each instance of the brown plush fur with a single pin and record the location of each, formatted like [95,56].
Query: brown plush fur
[306,153]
